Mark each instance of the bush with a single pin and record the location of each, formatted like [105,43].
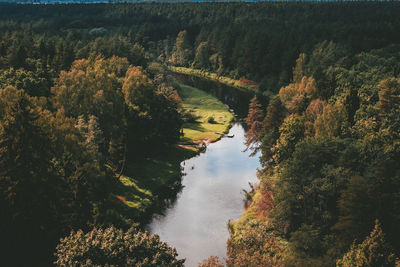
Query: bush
[114,247]
[211,120]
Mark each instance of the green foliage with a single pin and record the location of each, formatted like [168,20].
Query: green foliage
[182,52]
[114,247]
[36,83]
[254,244]
[373,251]
[330,139]
[329,158]
[148,107]
[44,153]
[201,58]
[290,132]
[270,129]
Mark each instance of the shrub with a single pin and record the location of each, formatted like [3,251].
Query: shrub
[211,120]
[115,247]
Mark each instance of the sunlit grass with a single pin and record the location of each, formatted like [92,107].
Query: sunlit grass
[204,106]
[148,177]
[132,195]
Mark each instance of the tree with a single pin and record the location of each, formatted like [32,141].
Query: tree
[153,113]
[294,96]
[50,178]
[254,244]
[389,95]
[26,166]
[35,83]
[201,58]
[331,122]
[290,133]
[212,261]
[254,121]
[299,70]
[114,247]
[17,58]
[93,87]
[137,56]
[373,251]
[182,52]
[276,113]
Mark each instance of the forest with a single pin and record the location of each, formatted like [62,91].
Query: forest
[88,99]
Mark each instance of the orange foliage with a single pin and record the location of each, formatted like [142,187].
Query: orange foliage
[121,198]
[250,83]
[315,108]
[293,94]
[265,204]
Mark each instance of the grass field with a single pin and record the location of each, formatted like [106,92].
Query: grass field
[204,106]
[147,179]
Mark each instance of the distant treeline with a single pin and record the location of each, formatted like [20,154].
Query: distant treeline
[82,89]
[258,41]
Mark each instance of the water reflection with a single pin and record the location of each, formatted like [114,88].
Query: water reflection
[196,224]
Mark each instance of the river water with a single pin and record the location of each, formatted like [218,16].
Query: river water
[196,222]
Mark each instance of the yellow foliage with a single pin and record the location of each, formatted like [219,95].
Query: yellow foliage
[136,80]
[329,123]
[293,94]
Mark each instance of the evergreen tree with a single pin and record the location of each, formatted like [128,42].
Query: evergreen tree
[182,51]
[254,121]
[373,251]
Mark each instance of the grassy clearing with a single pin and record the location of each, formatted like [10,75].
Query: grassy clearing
[204,106]
[242,84]
[147,179]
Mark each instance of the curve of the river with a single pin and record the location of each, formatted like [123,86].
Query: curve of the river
[196,223]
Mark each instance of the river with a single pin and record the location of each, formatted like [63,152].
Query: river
[196,222]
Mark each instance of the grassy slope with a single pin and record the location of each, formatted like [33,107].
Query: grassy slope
[152,176]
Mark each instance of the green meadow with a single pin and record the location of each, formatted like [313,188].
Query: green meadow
[146,178]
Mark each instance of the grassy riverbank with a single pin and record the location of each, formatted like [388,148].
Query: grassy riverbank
[153,176]
[212,116]
[242,84]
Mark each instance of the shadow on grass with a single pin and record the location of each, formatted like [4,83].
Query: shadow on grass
[194,126]
[158,172]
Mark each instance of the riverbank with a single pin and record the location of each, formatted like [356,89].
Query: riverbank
[242,84]
[146,182]
[209,116]
[195,224]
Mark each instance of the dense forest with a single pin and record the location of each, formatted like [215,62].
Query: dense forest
[330,181]
[86,88]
